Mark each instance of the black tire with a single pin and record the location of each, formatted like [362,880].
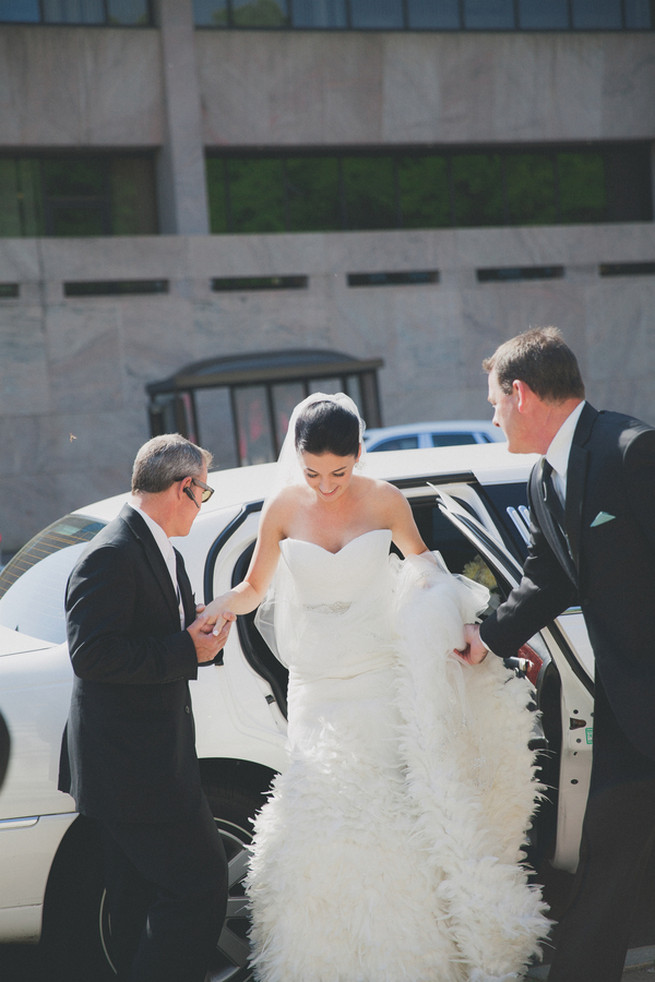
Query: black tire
[233,809]
[76,944]
[71,948]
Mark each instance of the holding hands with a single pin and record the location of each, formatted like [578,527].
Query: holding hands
[209,633]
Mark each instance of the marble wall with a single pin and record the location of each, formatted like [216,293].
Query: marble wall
[73,371]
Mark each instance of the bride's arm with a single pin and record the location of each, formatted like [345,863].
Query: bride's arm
[248,594]
[404,532]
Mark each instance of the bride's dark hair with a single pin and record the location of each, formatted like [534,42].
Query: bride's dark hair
[327,427]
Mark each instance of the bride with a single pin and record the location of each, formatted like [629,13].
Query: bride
[390,848]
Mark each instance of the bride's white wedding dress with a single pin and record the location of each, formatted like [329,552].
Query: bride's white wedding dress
[390,848]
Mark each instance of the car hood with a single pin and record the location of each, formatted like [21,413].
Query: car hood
[15,643]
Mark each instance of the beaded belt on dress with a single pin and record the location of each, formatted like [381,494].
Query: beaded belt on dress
[338,607]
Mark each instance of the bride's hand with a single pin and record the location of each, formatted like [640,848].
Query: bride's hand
[475,651]
[223,624]
[214,616]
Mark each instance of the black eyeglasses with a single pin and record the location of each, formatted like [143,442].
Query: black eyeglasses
[206,491]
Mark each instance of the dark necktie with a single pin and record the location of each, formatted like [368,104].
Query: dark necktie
[554,505]
[551,496]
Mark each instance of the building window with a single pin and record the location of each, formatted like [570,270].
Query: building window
[273,192]
[427,15]
[239,406]
[241,13]
[112,13]
[77,196]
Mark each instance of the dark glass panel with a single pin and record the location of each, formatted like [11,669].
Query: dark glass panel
[20,198]
[260,13]
[594,14]
[639,14]
[253,425]
[319,13]
[436,14]
[376,13]
[130,12]
[133,200]
[217,195]
[452,439]
[20,11]
[496,15]
[550,16]
[286,396]
[581,187]
[210,13]
[313,194]
[477,187]
[369,192]
[628,183]
[256,195]
[77,219]
[73,11]
[424,195]
[531,190]
[73,176]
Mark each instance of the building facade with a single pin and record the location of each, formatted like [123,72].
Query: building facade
[405,181]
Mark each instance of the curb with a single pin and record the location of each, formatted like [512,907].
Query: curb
[636,958]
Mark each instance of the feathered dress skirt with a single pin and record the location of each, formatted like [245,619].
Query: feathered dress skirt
[390,849]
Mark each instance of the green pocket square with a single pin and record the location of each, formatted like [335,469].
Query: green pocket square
[601,518]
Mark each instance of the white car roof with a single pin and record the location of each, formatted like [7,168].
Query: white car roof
[488,463]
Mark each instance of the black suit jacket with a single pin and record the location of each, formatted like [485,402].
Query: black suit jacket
[610,522]
[128,752]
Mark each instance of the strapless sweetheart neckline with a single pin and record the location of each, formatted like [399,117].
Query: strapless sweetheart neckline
[362,535]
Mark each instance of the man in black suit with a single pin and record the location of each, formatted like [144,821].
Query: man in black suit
[128,754]
[592,507]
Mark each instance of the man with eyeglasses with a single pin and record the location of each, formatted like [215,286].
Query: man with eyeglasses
[128,753]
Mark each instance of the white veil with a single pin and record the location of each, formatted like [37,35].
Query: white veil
[274,618]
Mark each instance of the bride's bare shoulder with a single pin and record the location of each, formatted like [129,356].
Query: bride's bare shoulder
[381,489]
[286,500]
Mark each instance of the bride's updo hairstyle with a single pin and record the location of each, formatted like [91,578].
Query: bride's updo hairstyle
[327,427]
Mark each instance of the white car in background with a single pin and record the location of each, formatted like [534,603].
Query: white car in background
[413,436]
[51,883]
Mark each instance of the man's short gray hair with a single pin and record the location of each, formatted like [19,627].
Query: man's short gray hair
[166,459]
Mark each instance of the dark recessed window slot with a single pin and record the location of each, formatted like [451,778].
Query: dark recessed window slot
[244,283]
[113,288]
[627,269]
[511,274]
[412,278]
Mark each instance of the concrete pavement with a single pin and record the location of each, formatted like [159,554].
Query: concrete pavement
[639,967]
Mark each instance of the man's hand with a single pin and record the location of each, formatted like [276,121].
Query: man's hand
[209,638]
[475,651]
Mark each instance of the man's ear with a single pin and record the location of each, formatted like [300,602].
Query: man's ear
[523,394]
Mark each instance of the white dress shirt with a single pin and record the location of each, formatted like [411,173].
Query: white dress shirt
[559,451]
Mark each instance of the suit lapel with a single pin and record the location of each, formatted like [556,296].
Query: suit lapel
[185,589]
[576,479]
[153,557]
